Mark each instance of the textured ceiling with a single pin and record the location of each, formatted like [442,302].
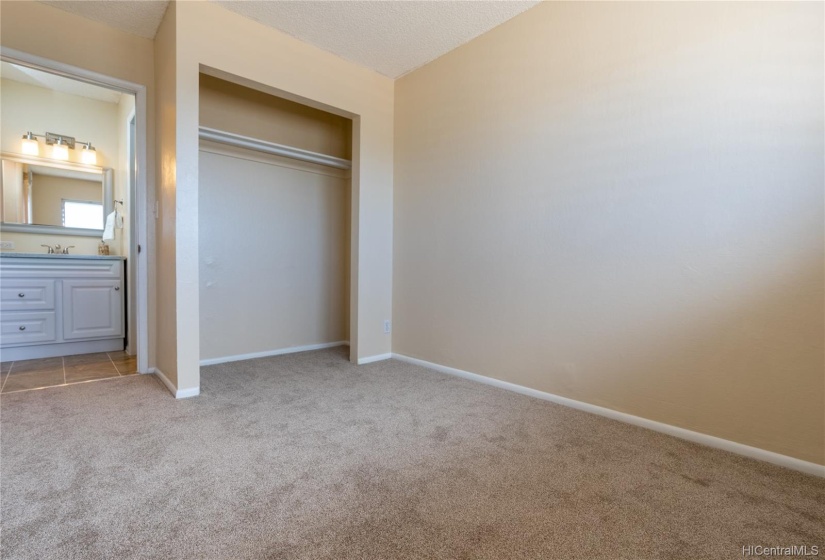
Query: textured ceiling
[9,71]
[139,17]
[392,37]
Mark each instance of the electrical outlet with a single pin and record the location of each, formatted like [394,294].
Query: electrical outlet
[387,327]
[6,245]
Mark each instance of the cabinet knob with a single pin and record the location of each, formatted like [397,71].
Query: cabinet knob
[22,327]
[21,294]
[117,288]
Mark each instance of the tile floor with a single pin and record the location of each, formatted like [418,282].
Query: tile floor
[25,375]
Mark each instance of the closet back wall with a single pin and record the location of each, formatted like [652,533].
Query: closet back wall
[274,234]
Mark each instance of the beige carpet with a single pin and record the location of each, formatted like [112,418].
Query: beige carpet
[308,456]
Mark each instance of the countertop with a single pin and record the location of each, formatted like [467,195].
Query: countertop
[8,254]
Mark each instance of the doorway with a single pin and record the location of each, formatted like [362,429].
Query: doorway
[131,189]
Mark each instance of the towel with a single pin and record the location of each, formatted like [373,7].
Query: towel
[109,230]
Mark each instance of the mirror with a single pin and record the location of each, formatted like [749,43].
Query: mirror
[60,198]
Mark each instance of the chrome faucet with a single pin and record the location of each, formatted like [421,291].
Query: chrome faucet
[57,249]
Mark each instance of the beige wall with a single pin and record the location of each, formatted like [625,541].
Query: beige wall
[274,242]
[37,29]
[166,227]
[33,242]
[241,110]
[25,107]
[622,203]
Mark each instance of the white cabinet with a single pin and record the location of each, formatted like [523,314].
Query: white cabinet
[92,309]
[60,305]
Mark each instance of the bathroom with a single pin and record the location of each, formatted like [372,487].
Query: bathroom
[67,201]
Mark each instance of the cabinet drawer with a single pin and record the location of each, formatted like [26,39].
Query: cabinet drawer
[23,327]
[26,295]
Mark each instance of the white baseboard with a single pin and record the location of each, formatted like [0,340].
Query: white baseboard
[186,393]
[178,394]
[696,437]
[267,353]
[376,358]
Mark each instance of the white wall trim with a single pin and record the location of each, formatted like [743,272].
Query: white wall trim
[376,358]
[696,437]
[178,393]
[267,353]
[186,393]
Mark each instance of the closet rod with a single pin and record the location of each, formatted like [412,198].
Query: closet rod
[237,140]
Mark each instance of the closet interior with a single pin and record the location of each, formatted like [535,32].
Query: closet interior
[274,224]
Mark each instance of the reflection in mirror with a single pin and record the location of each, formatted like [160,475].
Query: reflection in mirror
[35,194]
[63,198]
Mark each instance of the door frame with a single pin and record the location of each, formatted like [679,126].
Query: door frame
[140,227]
[131,276]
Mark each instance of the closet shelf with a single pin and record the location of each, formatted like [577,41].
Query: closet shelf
[239,141]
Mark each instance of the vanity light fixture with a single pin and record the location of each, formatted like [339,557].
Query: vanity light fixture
[60,150]
[61,144]
[88,155]
[30,145]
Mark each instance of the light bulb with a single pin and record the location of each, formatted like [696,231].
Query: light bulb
[88,155]
[60,151]
[30,146]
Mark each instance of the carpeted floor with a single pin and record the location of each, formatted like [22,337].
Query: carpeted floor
[308,456]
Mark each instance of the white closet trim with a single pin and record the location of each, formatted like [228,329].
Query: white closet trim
[240,141]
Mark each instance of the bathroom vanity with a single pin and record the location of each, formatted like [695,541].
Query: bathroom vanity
[59,305]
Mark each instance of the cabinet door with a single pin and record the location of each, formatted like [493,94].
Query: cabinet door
[92,309]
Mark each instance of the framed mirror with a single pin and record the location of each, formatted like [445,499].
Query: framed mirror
[39,195]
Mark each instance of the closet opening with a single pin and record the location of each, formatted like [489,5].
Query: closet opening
[275,205]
